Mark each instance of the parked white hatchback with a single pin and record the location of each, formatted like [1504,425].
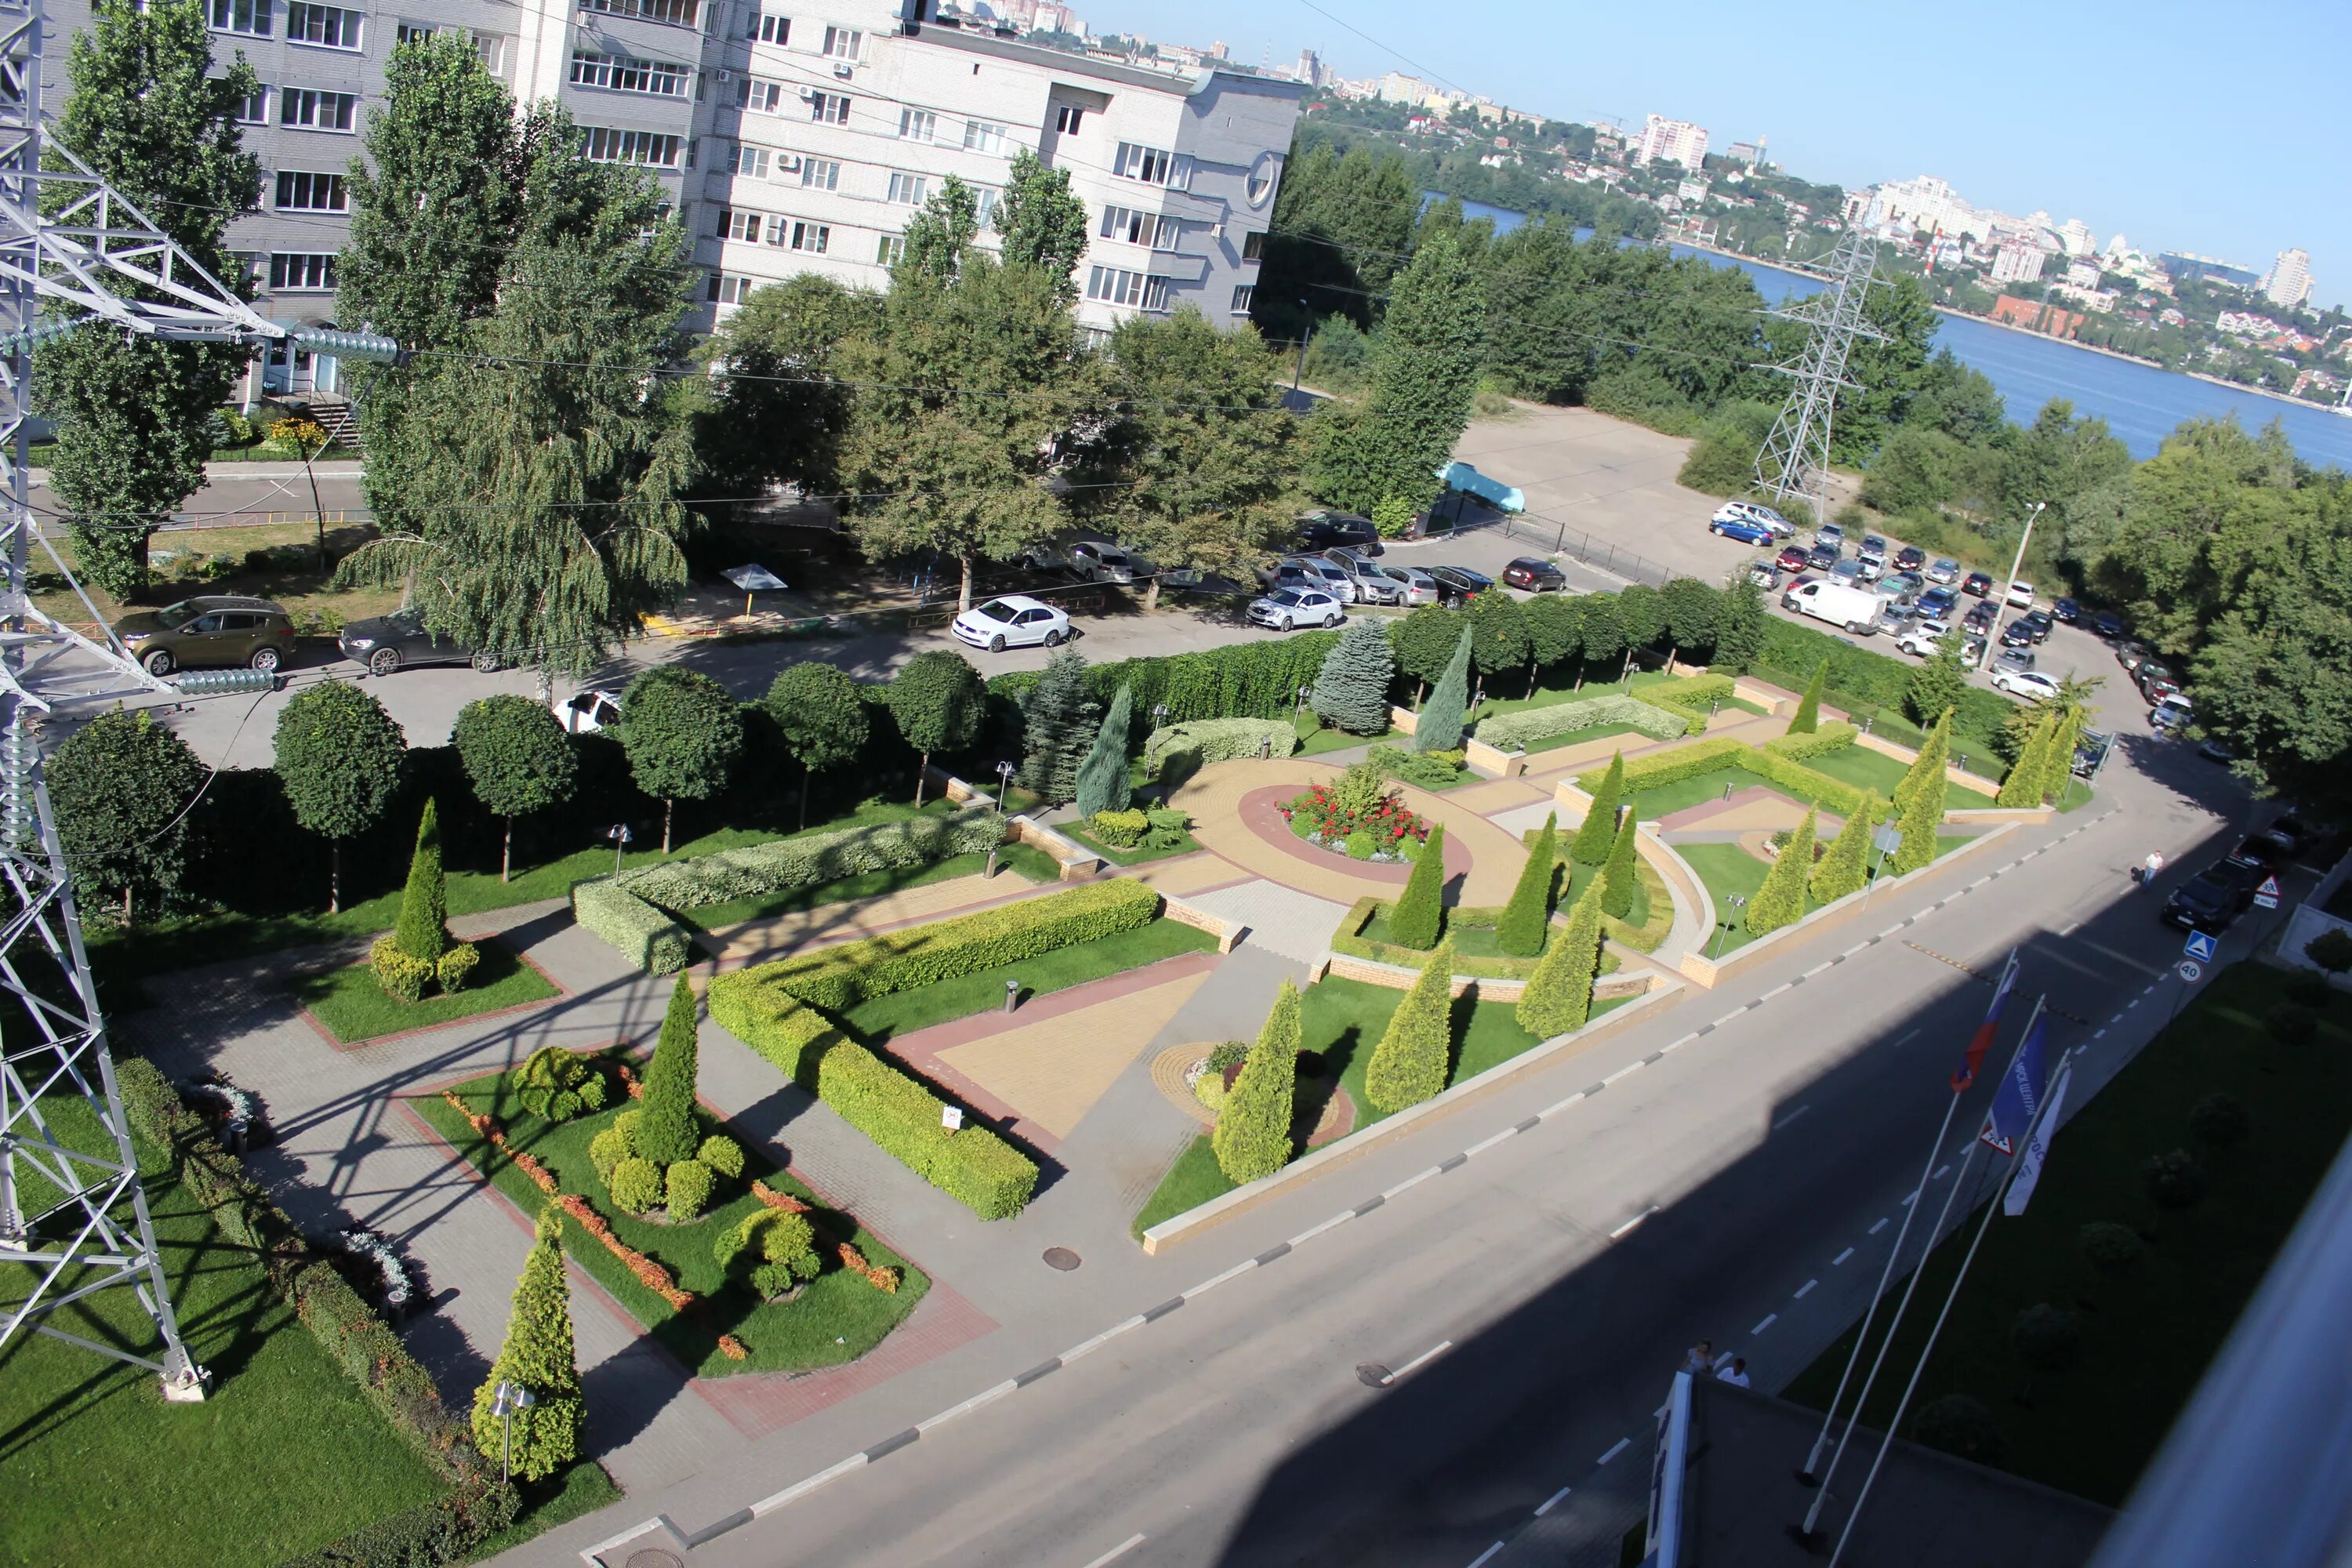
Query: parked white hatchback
[1015,620]
[2020,595]
[588,712]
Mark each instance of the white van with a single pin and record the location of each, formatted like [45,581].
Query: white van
[1856,609]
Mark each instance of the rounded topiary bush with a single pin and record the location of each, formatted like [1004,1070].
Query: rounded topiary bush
[636,1184]
[454,969]
[2046,1338]
[2331,950]
[723,1155]
[403,978]
[1360,845]
[606,1151]
[775,1250]
[2112,1248]
[2222,1121]
[1960,1426]
[2174,1181]
[686,1187]
[556,1085]
[2291,1024]
[1209,1089]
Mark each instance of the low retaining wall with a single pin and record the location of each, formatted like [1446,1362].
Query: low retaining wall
[1216,1211]
[1626,982]
[1076,862]
[1227,932]
[1492,763]
[1711,973]
[1403,720]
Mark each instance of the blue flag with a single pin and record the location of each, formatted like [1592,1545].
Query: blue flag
[2020,1095]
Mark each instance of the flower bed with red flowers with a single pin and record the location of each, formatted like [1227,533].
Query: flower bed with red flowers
[1359,814]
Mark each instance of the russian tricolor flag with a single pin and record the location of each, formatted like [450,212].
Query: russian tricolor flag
[1982,1041]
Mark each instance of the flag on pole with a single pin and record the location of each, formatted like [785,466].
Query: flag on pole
[2037,1147]
[1982,1040]
[2020,1095]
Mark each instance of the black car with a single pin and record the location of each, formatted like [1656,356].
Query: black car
[2212,899]
[2067,610]
[1910,558]
[2039,622]
[1977,583]
[2108,625]
[1821,557]
[388,642]
[1458,586]
[2019,633]
[2266,850]
[1326,530]
[1534,575]
[1980,616]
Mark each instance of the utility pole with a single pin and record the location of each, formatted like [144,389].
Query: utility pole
[1793,463]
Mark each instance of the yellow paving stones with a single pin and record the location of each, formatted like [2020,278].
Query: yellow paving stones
[755,942]
[1052,1072]
[1498,796]
[1187,874]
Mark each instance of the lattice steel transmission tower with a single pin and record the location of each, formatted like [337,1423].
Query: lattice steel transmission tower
[1794,460]
[74,256]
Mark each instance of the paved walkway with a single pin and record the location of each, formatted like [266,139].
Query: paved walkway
[759,940]
[1281,920]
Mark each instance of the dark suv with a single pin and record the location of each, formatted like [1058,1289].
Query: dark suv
[2212,899]
[388,642]
[1457,585]
[1326,530]
[210,629]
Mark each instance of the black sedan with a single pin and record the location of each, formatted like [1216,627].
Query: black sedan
[2212,899]
[1910,558]
[2108,625]
[1534,575]
[1458,586]
[388,642]
[2067,610]
[2019,633]
[1821,557]
[1329,529]
[1977,583]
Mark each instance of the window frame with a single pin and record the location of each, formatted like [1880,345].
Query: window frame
[352,44]
[901,181]
[260,14]
[986,137]
[286,183]
[917,124]
[319,262]
[835,36]
[624,140]
[310,98]
[809,167]
[1244,293]
[623,73]
[829,107]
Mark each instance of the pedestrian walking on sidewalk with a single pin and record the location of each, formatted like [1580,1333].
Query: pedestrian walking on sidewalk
[1700,1360]
[1735,1374]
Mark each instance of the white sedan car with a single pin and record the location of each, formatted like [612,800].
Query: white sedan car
[1015,620]
[1287,607]
[2029,684]
[588,711]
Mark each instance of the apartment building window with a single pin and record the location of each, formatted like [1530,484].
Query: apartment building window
[844,42]
[329,27]
[1155,294]
[734,223]
[820,173]
[985,198]
[304,270]
[907,189]
[305,110]
[247,16]
[619,73]
[891,248]
[301,191]
[749,162]
[255,109]
[729,288]
[1067,118]
[767,27]
[493,50]
[1254,247]
[979,136]
[1127,225]
[797,233]
[917,124]
[829,107]
[1113,286]
[761,96]
[1241,298]
[1150,165]
[684,13]
[600,145]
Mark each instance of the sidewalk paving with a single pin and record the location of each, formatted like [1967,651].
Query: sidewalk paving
[778,936]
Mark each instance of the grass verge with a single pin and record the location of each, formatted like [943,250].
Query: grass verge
[1877,771]
[798,1336]
[2147,1332]
[882,1019]
[1726,870]
[354,1008]
[1033,864]
[1142,854]
[1192,1181]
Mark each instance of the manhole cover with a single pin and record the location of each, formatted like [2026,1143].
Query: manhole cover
[654,1557]
[1373,1374]
[1061,1257]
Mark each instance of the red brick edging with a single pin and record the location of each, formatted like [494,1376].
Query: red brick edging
[525,959]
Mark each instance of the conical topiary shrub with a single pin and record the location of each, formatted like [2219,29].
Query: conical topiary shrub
[1782,899]
[1598,835]
[1415,1055]
[422,928]
[1809,706]
[1103,781]
[1919,801]
[1438,728]
[1847,865]
[670,1127]
[536,1355]
[1618,874]
[1253,1133]
[1559,996]
[1520,933]
[1419,914]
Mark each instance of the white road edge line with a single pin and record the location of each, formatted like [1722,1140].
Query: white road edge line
[1775,991]
[799,1489]
[1423,1359]
[589,1554]
[1628,1070]
[1552,1502]
[1483,1557]
[1410,1182]
[1235,1272]
[1841,1257]
[1769,1318]
[2071,930]
[1790,1116]
[1941,1171]
[1907,1038]
[1622,1444]
[1304,1237]
[1121,1550]
[1879,1226]
[1805,1289]
[985,1397]
[1558,1106]
[1088,1347]
[1483,1144]
[1619,1234]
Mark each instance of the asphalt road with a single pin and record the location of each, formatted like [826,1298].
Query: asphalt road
[1721,1170]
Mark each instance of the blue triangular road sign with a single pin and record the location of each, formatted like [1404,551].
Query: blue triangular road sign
[2201,946]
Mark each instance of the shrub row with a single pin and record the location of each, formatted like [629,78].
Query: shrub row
[644,935]
[1512,731]
[1193,746]
[1861,682]
[837,978]
[1349,939]
[478,1504]
[1833,736]
[761,870]
[1806,783]
[1705,757]
[1694,697]
[901,1115]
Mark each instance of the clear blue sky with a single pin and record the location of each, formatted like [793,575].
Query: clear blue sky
[2186,127]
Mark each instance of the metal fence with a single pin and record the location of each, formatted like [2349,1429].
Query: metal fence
[1593,551]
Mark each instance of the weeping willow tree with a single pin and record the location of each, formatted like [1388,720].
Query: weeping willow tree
[529,488]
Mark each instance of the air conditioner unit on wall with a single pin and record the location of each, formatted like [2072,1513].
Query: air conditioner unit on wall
[788,166]
[844,72]
[726,75]
[807,93]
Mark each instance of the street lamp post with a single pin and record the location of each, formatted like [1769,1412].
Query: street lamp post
[2016,565]
[1723,927]
[620,835]
[1003,783]
[505,1400]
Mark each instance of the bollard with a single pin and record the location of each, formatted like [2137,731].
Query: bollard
[991,864]
[1011,994]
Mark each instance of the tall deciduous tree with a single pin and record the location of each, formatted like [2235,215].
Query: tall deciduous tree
[1040,223]
[1528,914]
[938,238]
[1937,685]
[537,1356]
[121,786]
[1694,612]
[1416,1051]
[1424,643]
[1252,1132]
[823,719]
[938,703]
[517,759]
[1059,719]
[1739,625]
[1555,633]
[775,415]
[1351,689]
[1498,635]
[339,757]
[683,734]
[1439,727]
[133,413]
[1104,782]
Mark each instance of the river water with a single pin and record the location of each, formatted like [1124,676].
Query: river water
[2141,404]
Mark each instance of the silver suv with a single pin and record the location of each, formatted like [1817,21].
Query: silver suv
[1372,581]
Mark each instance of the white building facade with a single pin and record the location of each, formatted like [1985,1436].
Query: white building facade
[1676,141]
[2018,261]
[2289,282]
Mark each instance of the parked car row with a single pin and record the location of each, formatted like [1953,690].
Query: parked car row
[2212,900]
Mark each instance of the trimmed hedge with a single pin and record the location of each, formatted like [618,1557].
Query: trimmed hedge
[478,1504]
[1349,939]
[901,1115]
[837,978]
[1862,682]
[1670,767]
[644,935]
[1208,741]
[1705,757]
[1512,731]
[1834,736]
[761,870]
[1807,784]
[1693,696]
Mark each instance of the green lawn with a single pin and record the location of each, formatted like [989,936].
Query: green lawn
[795,1337]
[2077,793]
[1314,740]
[2147,1333]
[883,1017]
[1578,737]
[1682,795]
[165,945]
[97,1469]
[1726,869]
[354,1007]
[1192,1181]
[1469,940]
[1033,864]
[1185,845]
[1877,771]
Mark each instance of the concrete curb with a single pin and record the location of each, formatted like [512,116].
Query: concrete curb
[1317,1161]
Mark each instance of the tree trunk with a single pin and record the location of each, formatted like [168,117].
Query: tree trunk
[319,514]
[505,852]
[963,593]
[922,772]
[126,906]
[1151,594]
[334,876]
[805,773]
[668,805]
[1531,679]
[1419,690]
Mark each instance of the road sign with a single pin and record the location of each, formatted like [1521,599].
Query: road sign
[2201,946]
[2267,896]
[2190,972]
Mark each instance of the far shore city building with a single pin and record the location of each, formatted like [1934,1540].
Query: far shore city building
[788,141]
